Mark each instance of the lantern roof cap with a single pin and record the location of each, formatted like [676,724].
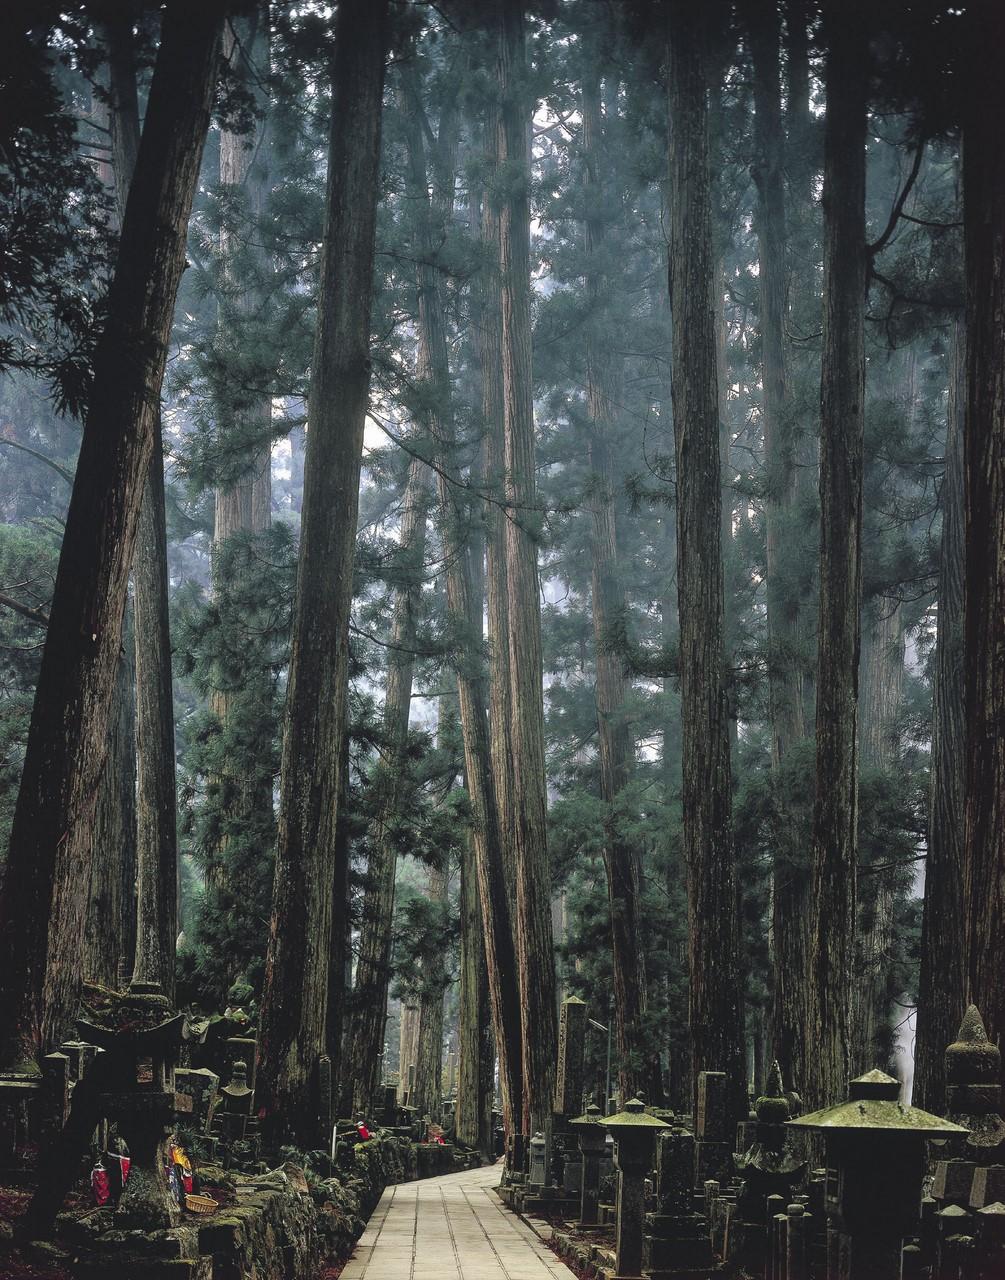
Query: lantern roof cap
[634,1117]
[591,1116]
[874,1103]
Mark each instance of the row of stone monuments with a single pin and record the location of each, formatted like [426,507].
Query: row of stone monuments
[901,1194]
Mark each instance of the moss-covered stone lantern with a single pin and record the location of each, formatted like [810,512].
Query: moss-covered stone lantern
[592,1135]
[633,1131]
[875,1166]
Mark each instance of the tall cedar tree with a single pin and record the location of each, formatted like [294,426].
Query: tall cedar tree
[156,822]
[41,913]
[790,882]
[110,930]
[294,1002]
[243,504]
[434,373]
[941,993]
[604,373]
[984,478]
[535,955]
[842,418]
[373,968]
[716,1000]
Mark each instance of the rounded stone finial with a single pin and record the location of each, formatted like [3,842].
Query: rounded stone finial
[772,1107]
[972,1058]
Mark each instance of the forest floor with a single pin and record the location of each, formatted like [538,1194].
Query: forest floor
[453,1227]
[24,1264]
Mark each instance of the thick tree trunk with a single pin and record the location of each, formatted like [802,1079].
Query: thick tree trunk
[373,968]
[828,1028]
[294,1003]
[156,828]
[500,957]
[429,1050]
[942,985]
[880,695]
[156,820]
[476,1053]
[109,936]
[340,951]
[533,879]
[790,874]
[490,340]
[984,463]
[716,1000]
[617,748]
[42,912]
[110,931]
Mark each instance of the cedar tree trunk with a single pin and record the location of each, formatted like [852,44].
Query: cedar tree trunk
[535,955]
[295,999]
[716,1000]
[373,968]
[828,1028]
[984,480]
[942,984]
[43,906]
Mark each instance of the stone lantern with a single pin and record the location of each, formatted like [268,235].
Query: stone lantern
[139,1096]
[633,1132]
[538,1175]
[768,1167]
[589,1129]
[875,1166]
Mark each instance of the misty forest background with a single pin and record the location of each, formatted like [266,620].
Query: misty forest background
[520,616]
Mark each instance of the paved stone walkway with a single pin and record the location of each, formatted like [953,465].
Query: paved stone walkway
[450,1228]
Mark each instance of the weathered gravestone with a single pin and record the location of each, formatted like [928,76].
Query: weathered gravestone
[713,1129]
[676,1243]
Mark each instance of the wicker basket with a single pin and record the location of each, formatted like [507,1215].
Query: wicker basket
[201,1204]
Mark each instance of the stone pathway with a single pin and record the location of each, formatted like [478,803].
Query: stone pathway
[450,1228]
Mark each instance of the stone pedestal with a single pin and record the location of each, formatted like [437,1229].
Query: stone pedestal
[592,1138]
[633,1132]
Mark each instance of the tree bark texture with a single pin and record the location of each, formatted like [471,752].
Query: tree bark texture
[490,345]
[156,828]
[617,747]
[715,997]
[429,1050]
[880,695]
[294,1002]
[42,912]
[476,1065]
[109,935]
[984,480]
[340,950]
[942,984]
[373,968]
[535,955]
[828,1029]
[110,931]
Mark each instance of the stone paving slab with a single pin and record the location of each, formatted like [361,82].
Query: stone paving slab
[453,1227]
